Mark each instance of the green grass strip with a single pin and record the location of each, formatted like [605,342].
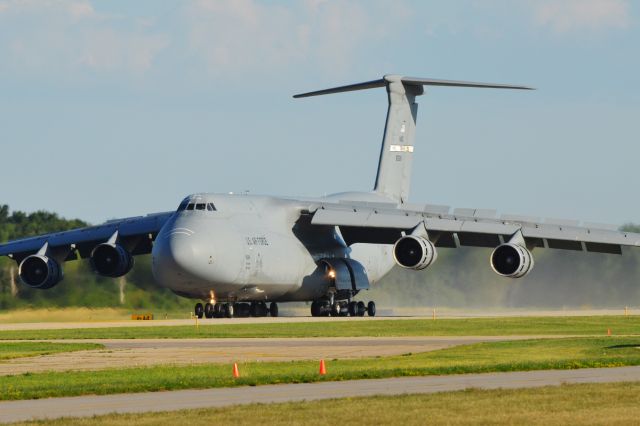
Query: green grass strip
[588,325]
[10,350]
[537,354]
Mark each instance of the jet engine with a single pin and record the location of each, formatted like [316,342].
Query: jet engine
[414,252]
[38,271]
[111,260]
[511,260]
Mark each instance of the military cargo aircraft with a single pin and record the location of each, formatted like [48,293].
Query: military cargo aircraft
[242,254]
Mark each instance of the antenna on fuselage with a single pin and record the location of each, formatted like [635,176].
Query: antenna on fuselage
[394,168]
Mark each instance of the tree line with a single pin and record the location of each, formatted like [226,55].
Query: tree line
[81,286]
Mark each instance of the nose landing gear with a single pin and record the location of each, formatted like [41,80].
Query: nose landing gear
[236,310]
[228,310]
[199,310]
[208,310]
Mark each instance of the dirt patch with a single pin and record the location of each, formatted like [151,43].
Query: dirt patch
[147,352]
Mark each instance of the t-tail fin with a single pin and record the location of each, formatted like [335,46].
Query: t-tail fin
[394,168]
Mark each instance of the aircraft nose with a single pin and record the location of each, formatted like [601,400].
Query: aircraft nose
[174,257]
[180,250]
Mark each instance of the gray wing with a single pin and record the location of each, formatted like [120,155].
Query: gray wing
[385,223]
[137,233]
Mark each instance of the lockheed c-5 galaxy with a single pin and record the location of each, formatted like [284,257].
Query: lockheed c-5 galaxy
[237,253]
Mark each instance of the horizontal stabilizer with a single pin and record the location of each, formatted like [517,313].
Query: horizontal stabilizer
[409,81]
[349,88]
[435,82]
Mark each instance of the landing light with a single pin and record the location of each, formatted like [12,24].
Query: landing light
[332,273]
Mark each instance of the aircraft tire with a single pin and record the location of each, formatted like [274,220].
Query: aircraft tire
[218,310]
[255,309]
[242,310]
[315,308]
[273,309]
[325,309]
[344,309]
[335,310]
[198,310]
[263,311]
[208,310]
[353,309]
[371,308]
[361,309]
[228,310]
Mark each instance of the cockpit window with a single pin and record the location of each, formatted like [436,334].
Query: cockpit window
[190,206]
[183,205]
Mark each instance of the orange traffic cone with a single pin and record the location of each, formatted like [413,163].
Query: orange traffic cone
[236,373]
[608,332]
[323,368]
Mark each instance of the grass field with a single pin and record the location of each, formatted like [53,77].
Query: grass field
[569,404]
[535,354]
[531,326]
[9,350]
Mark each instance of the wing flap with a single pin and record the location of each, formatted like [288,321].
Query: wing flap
[603,248]
[564,244]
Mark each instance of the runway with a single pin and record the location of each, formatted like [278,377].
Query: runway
[147,352]
[176,400]
[190,322]
[301,315]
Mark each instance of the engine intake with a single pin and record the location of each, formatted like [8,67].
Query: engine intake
[414,252]
[111,260]
[41,272]
[511,260]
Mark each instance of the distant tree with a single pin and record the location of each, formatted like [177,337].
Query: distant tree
[630,227]
[4,213]
[81,286]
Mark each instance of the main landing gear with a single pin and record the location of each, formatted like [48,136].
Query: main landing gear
[236,310]
[324,308]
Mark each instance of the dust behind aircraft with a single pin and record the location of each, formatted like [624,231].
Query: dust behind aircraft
[237,253]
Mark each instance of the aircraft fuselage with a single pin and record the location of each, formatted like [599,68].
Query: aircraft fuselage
[254,248]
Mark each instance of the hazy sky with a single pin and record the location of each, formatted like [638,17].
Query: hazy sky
[119,108]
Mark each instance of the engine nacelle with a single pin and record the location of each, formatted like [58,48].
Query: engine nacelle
[511,260]
[414,252]
[39,271]
[111,260]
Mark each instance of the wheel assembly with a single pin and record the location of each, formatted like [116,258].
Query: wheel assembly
[199,310]
[371,309]
[273,309]
[208,310]
[228,310]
